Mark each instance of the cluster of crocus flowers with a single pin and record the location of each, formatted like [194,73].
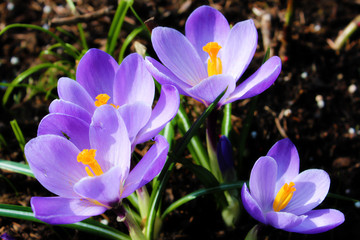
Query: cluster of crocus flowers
[210,58]
[88,168]
[281,197]
[127,87]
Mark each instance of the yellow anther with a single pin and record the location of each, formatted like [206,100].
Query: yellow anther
[214,63]
[117,106]
[87,157]
[101,99]
[284,196]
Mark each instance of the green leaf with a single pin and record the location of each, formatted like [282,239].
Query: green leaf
[18,134]
[159,185]
[116,25]
[67,47]
[195,147]
[22,76]
[199,193]
[16,167]
[89,225]
[226,122]
[127,41]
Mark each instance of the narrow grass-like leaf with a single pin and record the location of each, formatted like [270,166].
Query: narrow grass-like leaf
[247,123]
[22,76]
[10,184]
[30,71]
[18,134]
[68,47]
[88,225]
[199,193]
[116,25]
[226,122]
[340,197]
[159,186]
[195,147]
[2,139]
[82,37]
[127,41]
[16,167]
[141,21]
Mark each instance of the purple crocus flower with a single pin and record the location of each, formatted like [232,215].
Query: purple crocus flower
[210,57]
[281,197]
[129,87]
[88,168]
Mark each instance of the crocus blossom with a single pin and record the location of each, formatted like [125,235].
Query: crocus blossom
[210,58]
[281,197]
[88,168]
[128,87]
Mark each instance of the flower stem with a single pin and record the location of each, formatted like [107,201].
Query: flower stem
[211,141]
[133,227]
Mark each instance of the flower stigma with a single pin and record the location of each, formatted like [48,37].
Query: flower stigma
[102,99]
[284,196]
[214,63]
[87,157]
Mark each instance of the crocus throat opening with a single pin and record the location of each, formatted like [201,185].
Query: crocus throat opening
[284,196]
[102,99]
[214,63]
[87,157]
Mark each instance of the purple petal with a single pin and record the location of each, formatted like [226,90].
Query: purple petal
[283,220]
[135,116]
[148,167]
[96,72]
[165,76]
[133,82]
[71,91]
[209,89]
[165,110]
[262,182]
[205,25]
[108,135]
[69,108]
[66,126]
[312,187]
[287,158]
[104,188]
[258,82]
[251,206]
[319,221]
[58,210]
[178,55]
[239,48]
[225,154]
[53,160]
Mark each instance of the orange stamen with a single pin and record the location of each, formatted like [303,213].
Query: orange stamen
[214,63]
[87,157]
[102,99]
[284,196]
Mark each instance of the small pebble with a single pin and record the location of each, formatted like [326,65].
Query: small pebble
[320,101]
[47,9]
[253,134]
[351,131]
[104,221]
[10,6]
[352,88]
[317,27]
[14,60]
[304,75]
[357,204]
[347,191]
[287,112]
[45,26]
